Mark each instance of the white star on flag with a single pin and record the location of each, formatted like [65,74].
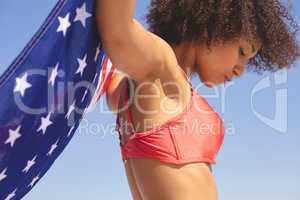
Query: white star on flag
[64,24]
[54,74]
[45,122]
[34,180]
[3,175]
[22,84]
[30,163]
[82,64]
[11,195]
[71,109]
[13,136]
[52,148]
[82,15]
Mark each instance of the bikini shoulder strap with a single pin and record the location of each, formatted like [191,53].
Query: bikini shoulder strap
[186,78]
[127,98]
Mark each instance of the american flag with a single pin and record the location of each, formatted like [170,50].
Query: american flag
[45,93]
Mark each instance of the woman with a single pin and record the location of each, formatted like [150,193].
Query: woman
[167,156]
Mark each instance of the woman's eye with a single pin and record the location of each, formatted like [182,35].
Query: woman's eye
[242,52]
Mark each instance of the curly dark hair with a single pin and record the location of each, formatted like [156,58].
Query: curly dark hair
[268,22]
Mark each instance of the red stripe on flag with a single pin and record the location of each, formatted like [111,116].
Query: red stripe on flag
[105,78]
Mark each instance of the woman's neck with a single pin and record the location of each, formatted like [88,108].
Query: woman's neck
[186,55]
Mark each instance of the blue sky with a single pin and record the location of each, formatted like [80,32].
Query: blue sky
[256,161]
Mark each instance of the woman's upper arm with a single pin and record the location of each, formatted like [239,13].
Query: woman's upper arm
[133,50]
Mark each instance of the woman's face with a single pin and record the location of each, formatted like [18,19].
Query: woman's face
[222,62]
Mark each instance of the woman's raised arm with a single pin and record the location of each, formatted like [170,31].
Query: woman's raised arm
[134,50]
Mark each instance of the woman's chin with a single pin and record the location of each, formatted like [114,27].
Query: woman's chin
[208,83]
